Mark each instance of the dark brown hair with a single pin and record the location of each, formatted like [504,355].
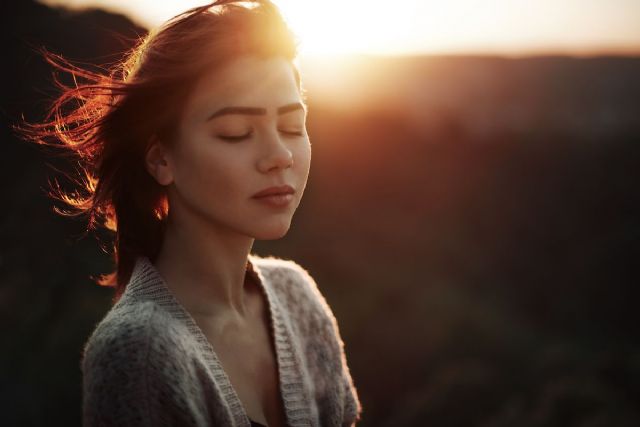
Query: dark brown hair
[116,114]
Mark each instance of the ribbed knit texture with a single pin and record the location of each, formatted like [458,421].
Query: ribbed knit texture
[147,362]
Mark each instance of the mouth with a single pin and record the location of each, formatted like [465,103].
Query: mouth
[282,190]
[275,197]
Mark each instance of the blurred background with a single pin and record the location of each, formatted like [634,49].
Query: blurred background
[472,214]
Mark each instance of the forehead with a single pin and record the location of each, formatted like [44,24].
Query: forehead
[246,81]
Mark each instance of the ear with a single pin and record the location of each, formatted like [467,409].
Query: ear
[157,162]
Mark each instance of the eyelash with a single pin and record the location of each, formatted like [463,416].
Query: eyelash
[242,137]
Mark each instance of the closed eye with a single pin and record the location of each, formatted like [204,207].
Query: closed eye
[299,133]
[242,137]
[234,138]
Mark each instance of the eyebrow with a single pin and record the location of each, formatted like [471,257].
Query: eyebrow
[255,111]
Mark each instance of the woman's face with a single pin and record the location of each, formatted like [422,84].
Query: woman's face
[220,161]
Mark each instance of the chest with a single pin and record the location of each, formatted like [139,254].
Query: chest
[248,358]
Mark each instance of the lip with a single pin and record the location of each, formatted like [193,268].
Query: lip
[283,189]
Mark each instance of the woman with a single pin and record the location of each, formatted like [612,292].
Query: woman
[192,148]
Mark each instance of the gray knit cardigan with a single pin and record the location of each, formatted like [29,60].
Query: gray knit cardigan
[147,363]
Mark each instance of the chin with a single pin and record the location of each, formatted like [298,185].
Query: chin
[271,233]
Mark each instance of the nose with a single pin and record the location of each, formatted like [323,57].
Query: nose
[276,154]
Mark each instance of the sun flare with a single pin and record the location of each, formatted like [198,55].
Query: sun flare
[338,27]
[382,27]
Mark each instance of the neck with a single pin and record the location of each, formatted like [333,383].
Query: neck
[205,268]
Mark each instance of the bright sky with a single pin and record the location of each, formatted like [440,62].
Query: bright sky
[511,27]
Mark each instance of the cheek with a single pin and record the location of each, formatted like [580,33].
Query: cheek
[209,170]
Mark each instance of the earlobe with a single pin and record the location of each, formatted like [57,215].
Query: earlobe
[157,162]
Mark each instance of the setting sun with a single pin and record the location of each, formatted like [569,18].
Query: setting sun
[513,27]
[339,27]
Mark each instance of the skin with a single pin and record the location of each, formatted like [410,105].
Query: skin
[213,220]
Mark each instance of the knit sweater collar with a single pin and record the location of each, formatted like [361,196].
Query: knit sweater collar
[147,283]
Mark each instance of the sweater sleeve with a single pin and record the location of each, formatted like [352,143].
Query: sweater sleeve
[130,377]
[352,408]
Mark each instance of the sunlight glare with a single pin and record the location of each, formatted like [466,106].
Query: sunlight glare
[343,27]
[337,27]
